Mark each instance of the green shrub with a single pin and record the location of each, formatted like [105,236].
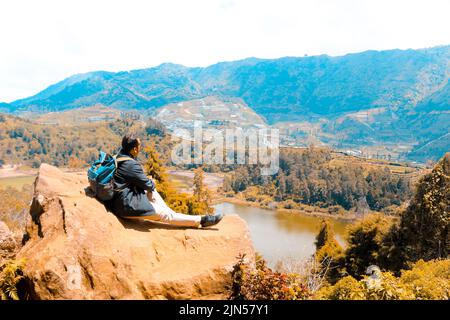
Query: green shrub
[347,288]
[11,276]
[428,280]
[425,281]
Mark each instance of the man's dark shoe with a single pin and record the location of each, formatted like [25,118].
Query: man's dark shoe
[210,220]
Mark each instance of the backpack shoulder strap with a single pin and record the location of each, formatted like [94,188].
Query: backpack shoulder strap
[120,159]
[116,161]
[123,159]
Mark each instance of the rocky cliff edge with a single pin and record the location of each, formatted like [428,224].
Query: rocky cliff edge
[75,249]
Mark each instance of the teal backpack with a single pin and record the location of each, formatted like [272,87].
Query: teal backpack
[101,175]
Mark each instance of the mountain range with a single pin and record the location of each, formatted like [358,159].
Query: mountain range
[398,97]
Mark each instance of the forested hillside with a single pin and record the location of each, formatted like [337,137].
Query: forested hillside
[26,142]
[315,176]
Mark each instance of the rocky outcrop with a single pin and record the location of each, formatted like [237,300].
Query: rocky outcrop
[75,249]
[8,243]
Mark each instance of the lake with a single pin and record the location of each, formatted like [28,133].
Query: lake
[279,235]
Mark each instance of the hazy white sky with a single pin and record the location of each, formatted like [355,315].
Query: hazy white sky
[45,41]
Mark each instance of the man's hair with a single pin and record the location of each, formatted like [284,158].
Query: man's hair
[129,141]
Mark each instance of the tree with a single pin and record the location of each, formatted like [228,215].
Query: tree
[153,165]
[281,186]
[329,253]
[325,234]
[200,201]
[365,242]
[178,202]
[200,192]
[424,228]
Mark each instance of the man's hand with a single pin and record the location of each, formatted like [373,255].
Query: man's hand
[150,196]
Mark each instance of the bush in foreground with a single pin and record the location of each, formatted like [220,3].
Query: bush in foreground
[425,281]
[262,283]
[11,280]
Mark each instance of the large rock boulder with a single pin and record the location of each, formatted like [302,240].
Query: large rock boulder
[75,249]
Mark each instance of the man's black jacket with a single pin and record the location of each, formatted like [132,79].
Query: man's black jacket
[130,183]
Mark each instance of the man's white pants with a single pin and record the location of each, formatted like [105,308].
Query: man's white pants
[166,215]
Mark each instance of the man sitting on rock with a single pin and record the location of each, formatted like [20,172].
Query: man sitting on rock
[136,196]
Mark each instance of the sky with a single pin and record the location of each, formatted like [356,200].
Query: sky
[43,42]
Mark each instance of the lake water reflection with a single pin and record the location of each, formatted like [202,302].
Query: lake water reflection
[279,235]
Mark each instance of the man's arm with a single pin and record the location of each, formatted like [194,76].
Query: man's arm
[136,176]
